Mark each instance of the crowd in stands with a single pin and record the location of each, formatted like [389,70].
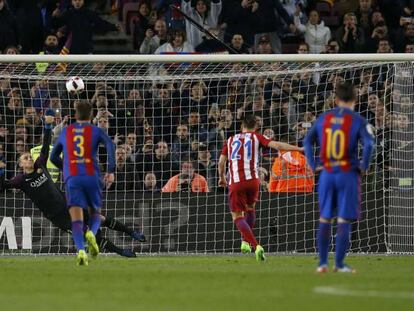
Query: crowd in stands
[169,134]
[246,26]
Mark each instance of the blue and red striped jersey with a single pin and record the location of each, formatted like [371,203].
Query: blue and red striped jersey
[79,143]
[338,133]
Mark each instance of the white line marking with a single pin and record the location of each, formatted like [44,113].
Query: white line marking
[336,291]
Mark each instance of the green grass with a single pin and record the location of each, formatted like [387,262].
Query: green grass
[203,283]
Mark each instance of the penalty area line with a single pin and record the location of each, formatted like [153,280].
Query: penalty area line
[338,291]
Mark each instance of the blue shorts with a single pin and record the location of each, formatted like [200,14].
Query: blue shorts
[84,191]
[340,195]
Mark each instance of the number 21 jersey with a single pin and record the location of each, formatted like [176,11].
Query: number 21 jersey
[243,152]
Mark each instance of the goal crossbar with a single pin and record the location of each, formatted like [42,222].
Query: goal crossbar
[216,58]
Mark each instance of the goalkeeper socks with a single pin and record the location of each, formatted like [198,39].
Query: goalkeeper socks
[77,234]
[342,243]
[116,225]
[105,244]
[250,217]
[246,231]
[324,237]
[95,222]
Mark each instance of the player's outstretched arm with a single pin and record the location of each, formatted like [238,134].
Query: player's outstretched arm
[222,171]
[283,146]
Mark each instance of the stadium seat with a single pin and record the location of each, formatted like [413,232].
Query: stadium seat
[323,8]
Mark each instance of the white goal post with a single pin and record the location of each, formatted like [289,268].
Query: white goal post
[162,110]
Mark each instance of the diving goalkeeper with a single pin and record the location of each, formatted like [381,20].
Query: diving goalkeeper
[37,184]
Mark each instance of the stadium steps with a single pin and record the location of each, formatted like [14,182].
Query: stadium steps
[112,42]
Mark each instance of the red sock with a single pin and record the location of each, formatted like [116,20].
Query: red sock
[245,231]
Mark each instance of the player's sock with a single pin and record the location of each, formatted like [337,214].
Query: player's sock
[246,231]
[77,234]
[324,237]
[94,223]
[116,225]
[250,217]
[342,243]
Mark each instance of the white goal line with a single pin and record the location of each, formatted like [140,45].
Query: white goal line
[211,58]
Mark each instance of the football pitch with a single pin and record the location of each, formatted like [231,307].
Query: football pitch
[204,283]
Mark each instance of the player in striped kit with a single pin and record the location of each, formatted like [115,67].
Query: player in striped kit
[243,152]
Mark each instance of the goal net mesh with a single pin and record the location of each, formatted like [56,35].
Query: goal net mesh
[162,114]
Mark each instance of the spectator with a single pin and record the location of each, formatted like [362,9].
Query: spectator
[154,38]
[240,17]
[237,43]
[303,48]
[379,33]
[30,21]
[162,112]
[181,143]
[409,48]
[187,180]
[176,44]
[9,32]
[81,23]
[364,13]
[264,46]
[151,183]
[332,47]
[404,36]
[160,162]
[384,46]
[125,172]
[206,167]
[351,37]
[205,13]
[144,21]
[316,34]
[198,99]
[11,50]
[269,13]
[50,47]
[197,131]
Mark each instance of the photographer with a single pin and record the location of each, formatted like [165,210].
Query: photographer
[187,180]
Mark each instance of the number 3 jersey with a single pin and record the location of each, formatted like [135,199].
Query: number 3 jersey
[243,152]
[79,143]
[337,133]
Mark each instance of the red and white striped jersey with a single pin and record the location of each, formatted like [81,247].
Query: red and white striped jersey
[243,151]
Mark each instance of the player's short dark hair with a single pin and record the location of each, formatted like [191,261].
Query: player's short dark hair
[345,92]
[249,122]
[83,110]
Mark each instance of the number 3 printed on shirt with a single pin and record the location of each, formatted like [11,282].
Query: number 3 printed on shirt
[79,150]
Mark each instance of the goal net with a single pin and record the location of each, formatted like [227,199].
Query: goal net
[169,121]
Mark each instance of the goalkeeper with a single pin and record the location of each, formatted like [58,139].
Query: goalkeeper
[37,184]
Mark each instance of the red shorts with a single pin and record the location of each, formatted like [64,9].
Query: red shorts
[243,193]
